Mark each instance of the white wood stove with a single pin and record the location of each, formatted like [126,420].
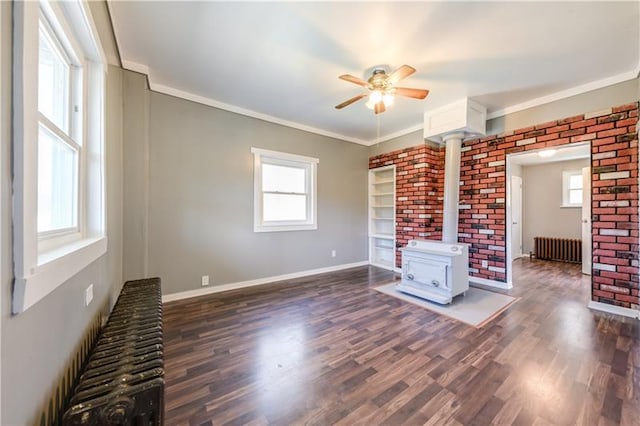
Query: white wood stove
[434,270]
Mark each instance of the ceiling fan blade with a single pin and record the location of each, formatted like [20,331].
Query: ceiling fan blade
[352,79]
[411,93]
[379,107]
[350,101]
[402,72]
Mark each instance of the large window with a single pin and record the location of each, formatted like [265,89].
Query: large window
[58,146]
[284,191]
[59,130]
[572,188]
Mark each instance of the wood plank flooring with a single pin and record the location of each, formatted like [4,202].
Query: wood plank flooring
[329,349]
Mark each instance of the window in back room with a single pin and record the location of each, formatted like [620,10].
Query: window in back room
[572,188]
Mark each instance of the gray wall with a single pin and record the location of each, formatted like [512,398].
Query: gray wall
[401,142]
[136,176]
[200,216]
[542,215]
[38,344]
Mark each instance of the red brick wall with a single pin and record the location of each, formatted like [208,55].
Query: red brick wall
[614,160]
[419,192]
[482,211]
[614,176]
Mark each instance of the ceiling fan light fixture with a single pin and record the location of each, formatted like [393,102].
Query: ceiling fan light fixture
[377,96]
[388,98]
[382,88]
[370,104]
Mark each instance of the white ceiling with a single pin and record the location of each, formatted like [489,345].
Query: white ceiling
[280,60]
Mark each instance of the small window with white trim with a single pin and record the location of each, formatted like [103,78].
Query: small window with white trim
[284,191]
[572,188]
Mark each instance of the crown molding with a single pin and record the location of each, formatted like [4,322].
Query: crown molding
[172,91]
[136,67]
[397,134]
[567,93]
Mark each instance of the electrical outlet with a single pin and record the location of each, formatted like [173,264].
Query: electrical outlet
[485,264]
[88,295]
[333,253]
[205,280]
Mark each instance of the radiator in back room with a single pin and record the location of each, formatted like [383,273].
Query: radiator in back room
[560,249]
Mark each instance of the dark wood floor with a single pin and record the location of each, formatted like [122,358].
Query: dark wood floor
[330,350]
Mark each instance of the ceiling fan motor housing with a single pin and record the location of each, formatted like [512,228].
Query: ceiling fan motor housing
[378,80]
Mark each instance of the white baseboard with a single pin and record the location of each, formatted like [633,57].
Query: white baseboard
[491,283]
[612,309]
[250,283]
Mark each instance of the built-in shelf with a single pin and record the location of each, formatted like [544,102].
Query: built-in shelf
[384,236]
[383,181]
[382,213]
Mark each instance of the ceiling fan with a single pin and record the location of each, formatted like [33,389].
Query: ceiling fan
[382,88]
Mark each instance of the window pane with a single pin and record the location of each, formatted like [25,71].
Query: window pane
[276,178]
[57,183]
[53,83]
[284,207]
[575,182]
[575,196]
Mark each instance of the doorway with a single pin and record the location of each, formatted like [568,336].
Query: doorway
[546,192]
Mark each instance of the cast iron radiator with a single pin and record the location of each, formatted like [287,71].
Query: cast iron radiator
[122,382]
[562,249]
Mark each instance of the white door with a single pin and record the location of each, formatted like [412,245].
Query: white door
[516,217]
[586,220]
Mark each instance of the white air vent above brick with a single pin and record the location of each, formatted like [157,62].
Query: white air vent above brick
[466,116]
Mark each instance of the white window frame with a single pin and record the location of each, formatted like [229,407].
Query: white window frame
[72,135]
[309,164]
[566,179]
[42,263]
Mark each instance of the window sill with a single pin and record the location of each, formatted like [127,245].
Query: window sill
[284,228]
[54,268]
[570,206]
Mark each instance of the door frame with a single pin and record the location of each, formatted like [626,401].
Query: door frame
[521,254]
[587,247]
[507,229]
[508,173]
